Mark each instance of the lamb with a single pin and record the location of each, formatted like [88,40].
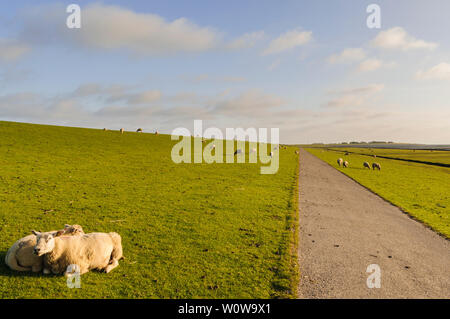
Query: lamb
[345,164]
[101,251]
[340,161]
[366,164]
[122,130]
[20,256]
[139,130]
[376,165]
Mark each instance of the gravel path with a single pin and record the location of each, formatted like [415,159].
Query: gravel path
[344,228]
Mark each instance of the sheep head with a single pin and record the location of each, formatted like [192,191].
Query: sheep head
[45,243]
[73,230]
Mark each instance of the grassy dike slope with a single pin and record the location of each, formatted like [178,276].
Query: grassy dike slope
[422,190]
[188,230]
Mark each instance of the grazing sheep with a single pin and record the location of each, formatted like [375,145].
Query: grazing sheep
[101,251]
[340,161]
[20,256]
[345,164]
[122,130]
[297,152]
[139,130]
[366,164]
[376,165]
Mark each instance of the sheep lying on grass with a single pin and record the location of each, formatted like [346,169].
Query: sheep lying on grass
[101,251]
[366,164]
[345,164]
[21,257]
[376,165]
[340,161]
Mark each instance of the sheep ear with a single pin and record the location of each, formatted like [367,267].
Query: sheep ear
[59,233]
[36,232]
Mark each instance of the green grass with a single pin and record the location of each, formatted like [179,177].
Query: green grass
[432,156]
[188,230]
[421,190]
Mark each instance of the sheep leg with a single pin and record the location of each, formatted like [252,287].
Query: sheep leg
[113,264]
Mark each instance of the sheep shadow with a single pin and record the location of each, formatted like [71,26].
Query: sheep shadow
[5,271]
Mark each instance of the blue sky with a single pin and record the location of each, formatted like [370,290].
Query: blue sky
[312,68]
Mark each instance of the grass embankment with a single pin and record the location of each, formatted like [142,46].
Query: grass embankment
[421,190]
[188,230]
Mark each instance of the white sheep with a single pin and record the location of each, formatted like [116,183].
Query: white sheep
[122,130]
[376,165]
[101,251]
[21,256]
[340,161]
[345,164]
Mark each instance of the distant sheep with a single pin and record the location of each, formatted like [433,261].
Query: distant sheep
[340,161]
[21,257]
[297,152]
[105,129]
[139,130]
[345,164]
[366,164]
[122,130]
[101,251]
[376,165]
[156,132]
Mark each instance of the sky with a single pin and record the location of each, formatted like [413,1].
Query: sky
[313,69]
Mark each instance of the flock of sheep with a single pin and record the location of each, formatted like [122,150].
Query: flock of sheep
[55,251]
[139,130]
[343,163]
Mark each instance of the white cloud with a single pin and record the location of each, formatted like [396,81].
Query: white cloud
[440,71]
[287,41]
[398,38]
[250,102]
[355,96]
[348,55]
[11,50]
[274,65]
[370,65]
[247,40]
[107,27]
